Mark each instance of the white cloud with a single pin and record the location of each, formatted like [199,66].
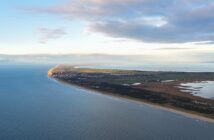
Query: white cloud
[46,34]
[161,21]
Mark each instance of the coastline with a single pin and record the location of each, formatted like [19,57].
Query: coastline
[186,113]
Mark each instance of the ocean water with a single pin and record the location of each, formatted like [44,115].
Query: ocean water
[35,107]
[182,67]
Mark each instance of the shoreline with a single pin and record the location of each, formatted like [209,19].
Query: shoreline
[179,111]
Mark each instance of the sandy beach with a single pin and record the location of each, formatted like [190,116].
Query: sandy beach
[189,114]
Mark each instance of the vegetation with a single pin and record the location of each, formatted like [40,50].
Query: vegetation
[141,85]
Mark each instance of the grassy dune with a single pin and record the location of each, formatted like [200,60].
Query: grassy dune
[146,86]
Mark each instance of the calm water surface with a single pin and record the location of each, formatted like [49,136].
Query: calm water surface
[34,107]
[203,89]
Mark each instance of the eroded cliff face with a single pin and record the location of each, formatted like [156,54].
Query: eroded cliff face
[56,69]
[50,72]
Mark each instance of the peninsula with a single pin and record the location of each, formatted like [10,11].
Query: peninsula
[153,87]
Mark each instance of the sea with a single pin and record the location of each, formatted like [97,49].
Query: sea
[36,107]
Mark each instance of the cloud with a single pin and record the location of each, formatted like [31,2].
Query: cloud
[46,34]
[174,48]
[161,21]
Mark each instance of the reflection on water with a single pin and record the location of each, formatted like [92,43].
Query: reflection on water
[34,107]
[203,89]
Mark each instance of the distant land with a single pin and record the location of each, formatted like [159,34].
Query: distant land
[148,62]
[160,88]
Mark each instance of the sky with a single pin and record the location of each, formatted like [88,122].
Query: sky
[169,29]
